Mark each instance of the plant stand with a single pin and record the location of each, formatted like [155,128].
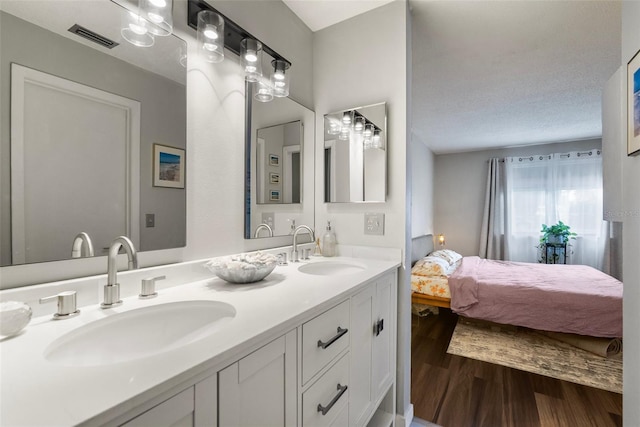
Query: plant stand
[555,253]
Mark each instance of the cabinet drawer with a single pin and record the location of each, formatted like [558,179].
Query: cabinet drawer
[330,393]
[323,338]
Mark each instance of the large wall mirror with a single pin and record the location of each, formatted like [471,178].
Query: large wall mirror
[84,129]
[355,155]
[279,159]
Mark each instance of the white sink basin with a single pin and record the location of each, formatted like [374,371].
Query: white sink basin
[139,333]
[330,268]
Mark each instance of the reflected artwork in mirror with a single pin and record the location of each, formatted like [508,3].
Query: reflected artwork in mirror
[279,159]
[81,109]
[355,155]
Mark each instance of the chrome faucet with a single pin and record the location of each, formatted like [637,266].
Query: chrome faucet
[82,241]
[112,288]
[265,227]
[300,228]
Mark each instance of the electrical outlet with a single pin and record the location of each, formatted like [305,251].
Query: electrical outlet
[374,224]
[150,220]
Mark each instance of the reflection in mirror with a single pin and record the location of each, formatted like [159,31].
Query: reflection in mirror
[78,124]
[279,150]
[355,160]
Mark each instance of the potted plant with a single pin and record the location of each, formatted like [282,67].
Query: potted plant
[557,233]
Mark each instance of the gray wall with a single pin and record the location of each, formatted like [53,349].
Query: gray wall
[422,171]
[163,119]
[460,185]
[631,239]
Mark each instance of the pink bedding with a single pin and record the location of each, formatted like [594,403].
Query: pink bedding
[560,298]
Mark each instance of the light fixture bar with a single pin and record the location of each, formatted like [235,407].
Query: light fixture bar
[234,34]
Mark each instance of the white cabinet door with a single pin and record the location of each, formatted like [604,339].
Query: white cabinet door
[383,352]
[362,311]
[260,389]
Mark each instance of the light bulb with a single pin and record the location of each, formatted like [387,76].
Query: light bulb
[251,56]
[210,46]
[358,125]
[155,18]
[211,32]
[368,131]
[346,118]
[279,75]
[158,3]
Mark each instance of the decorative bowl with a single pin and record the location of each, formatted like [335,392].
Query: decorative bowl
[243,268]
[14,316]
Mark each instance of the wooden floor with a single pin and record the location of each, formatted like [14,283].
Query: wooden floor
[455,391]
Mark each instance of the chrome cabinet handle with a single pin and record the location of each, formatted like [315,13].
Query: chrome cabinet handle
[378,327]
[340,333]
[324,409]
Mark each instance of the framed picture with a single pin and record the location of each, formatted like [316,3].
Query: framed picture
[274,178]
[274,195]
[168,166]
[274,160]
[633,105]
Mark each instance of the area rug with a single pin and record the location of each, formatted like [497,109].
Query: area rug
[527,350]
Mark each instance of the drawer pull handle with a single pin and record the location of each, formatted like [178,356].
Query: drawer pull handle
[378,327]
[341,389]
[340,333]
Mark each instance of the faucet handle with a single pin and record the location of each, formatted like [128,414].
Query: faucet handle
[282,258]
[66,304]
[149,287]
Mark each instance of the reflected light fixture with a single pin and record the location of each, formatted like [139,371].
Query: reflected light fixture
[135,30]
[334,128]
[376,140]
[251,59]
[441,240]
[264,93]
[159,13]
[346,118]
[368,131]
[211,36]
[358,125]
[344,134]
[280,78]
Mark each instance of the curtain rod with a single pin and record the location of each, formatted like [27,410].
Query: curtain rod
[541,157]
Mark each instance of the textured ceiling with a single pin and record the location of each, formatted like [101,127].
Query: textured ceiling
[507,73]
[319,14]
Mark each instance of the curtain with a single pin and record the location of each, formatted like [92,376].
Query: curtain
[546,189]
[493,220]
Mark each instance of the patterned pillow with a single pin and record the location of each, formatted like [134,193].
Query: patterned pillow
[431,266]
[448,255]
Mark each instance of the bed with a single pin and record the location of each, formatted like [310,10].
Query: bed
[558,298]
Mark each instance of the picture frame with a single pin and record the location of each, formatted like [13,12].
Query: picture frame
[633,105]
[274,160]
[274,178]
[168,166]
[274,195]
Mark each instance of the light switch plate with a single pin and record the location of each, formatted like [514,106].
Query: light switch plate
[150,220]
[374,224]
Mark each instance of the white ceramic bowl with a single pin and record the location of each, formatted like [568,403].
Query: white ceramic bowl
[14,316]
[244,268]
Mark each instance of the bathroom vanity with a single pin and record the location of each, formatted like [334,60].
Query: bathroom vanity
[312,344]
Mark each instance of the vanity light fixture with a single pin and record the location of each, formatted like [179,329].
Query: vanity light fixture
[135,30]
[230,36]
[211,36]
[251,59]
[377,139]
[346,118]
[441,240]
[159,13]
[280,77]
[368,132]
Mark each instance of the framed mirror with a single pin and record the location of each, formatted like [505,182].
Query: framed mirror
[355,155]
[279,158]
[93,133]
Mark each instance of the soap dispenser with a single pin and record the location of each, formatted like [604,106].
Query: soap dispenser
[329,242]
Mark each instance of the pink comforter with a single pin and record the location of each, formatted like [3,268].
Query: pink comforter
[561,298]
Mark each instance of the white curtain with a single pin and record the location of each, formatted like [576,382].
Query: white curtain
[546,189]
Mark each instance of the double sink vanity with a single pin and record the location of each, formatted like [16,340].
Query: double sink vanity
[312,344]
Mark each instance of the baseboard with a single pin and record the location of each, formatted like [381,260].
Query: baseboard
[405,421]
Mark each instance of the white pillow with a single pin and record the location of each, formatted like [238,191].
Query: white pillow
[448,255]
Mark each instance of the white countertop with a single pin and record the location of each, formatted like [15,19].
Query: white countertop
[35,391]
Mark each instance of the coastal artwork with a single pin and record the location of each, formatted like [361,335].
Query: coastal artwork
[633,105]
[168,166]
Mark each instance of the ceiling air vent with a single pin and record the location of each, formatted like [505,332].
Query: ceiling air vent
[94,37]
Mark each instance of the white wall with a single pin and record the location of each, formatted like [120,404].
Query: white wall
[422,196]
[631,240]
[363,61]
[460,185]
